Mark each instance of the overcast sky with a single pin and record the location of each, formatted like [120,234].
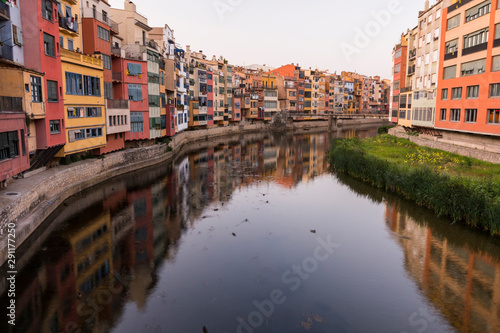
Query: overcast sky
[313,33]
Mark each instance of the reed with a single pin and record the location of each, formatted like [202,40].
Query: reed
[461,188]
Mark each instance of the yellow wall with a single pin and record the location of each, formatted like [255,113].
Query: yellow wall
[90,66]
[75,36]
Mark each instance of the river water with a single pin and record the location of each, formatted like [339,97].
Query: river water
[252,234]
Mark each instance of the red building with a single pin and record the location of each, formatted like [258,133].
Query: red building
[131,83]
[14,157]
[469,77]
[42,53]
[399,56]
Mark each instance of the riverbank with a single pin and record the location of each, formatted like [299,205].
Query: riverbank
[28,202]
[459,187]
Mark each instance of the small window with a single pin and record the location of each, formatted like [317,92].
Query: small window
[494,90]
[444,94]
[456,93]
[472,92]
[450,72]
[55,126]
[48,43]
[52,91]
[494,117]
[455,115]
[36,89]
[454,22]
[470,115]
[443,114]
[71,45]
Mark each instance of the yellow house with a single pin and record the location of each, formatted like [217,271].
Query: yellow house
[69,25]
[85,116]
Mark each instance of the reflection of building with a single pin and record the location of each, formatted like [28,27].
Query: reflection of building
[463,283]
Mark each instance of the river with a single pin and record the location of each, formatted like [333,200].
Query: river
[252,234]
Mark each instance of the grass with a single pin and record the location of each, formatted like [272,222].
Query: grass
[405,152]
[459,187]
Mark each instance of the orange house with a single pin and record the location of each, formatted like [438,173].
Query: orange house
[468,97]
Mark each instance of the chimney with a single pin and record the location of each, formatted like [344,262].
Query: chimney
[188,48]
[427,6]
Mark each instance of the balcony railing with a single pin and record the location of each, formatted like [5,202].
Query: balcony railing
[116,51]
[413,54]
[117,104]
[474,49]
[4,12]
[451,55]
[8,103]
[457,5]
[117,76]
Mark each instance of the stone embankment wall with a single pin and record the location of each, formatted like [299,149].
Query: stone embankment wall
[433,142]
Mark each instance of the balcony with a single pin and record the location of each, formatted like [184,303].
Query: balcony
[4,12]
[117,104]
[116,51]
[474,49]
[83,58]
[411,71]
[457,5]
[451,55]
[405,89]
[70,24]
[412,54]
[117,77]
[8,103]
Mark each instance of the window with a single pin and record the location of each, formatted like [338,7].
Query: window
[444,94]
[93,112]
[36,89]
[210,104]
[52,91]
[396,86]
[496,64]
[493,116]
[455,115]
[48,44]
[104,16]
[454,22]
[71,45]
[74,84]
[133,69]
[398,54]
[47,10]
[55,127]
[450,72]
[409,101]
[17,35]
[76,135]
[397,69]
[451,46]
[443,114]
[476,38]
[136,122]
[75,112]
[94,132]
[494,90]
[470,115]
[9,145]
[402,102]
[456,93]
[108,90]
[92,86]
[478,11]
[497,31]
[61,41]
[106,61]
[103,33]
[154,100]
[162,79]
[472,92]
[474,67]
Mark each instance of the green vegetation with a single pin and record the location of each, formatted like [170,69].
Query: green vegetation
[462,188]
[385,129]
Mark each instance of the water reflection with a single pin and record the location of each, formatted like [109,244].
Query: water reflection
[102,255]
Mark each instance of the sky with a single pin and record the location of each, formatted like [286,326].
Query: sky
[356,35]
